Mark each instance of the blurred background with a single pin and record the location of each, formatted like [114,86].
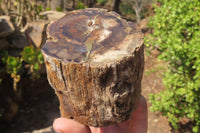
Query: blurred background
[171,79]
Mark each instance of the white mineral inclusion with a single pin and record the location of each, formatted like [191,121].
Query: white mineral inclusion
[90,25]
[110,56]
[108,23]
[115,55]
[104,34]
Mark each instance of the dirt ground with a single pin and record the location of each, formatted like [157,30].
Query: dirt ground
[37,110]
[152,83]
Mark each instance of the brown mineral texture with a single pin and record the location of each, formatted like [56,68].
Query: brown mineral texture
[94,61]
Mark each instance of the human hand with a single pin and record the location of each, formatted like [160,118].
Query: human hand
[137,123]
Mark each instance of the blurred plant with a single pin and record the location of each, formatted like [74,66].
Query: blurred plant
[33,57]
[80,5]
[59,9]
[88,3]
[136,5]
[21,11]
[13,66]
[102,2]
[48,9]
[176,27]
[126,8]
[115,5]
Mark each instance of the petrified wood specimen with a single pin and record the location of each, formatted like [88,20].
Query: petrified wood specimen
[94,61]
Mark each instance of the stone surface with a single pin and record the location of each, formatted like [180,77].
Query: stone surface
[144,24]
[52,15]
[15,52]
[4,44]
[94,61]
[37,32]
[19,40]
[6,27]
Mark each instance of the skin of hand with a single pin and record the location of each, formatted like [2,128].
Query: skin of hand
[136,124]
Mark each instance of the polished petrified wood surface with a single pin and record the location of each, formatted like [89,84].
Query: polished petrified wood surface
[94,61]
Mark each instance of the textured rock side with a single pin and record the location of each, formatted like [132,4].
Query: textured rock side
[52,15]
[104,88]
[37,32]
[4,44]
[97,96]
[6,27]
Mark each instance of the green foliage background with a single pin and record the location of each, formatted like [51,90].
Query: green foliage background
[176,33]
[30,55]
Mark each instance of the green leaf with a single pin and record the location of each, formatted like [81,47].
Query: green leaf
[80,5]
[195,129]
[48,9]
[32,56]
[176,33]
[36,66]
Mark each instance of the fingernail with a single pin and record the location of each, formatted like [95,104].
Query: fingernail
[56,131]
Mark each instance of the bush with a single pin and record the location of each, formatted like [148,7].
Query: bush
[20,11]
[13,66]
[33,57]
[80,5]
[126,8]
[102,2]
[176,27]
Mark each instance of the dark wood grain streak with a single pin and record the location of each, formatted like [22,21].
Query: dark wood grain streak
[94,61]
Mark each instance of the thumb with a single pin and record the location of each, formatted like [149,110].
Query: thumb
[63,125]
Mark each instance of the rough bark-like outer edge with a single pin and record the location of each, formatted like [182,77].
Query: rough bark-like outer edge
[97,96]
[70,80]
